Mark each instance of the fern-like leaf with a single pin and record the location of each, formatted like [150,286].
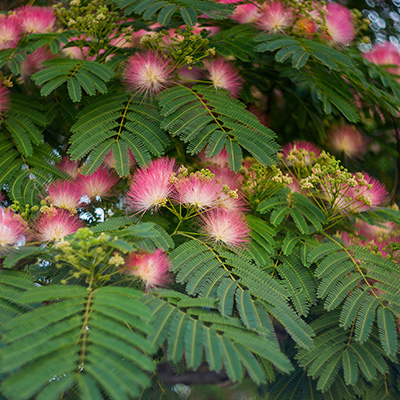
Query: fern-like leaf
[94,338]
[116,122]
[202,116]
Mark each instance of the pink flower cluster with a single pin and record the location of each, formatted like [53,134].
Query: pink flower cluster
[332,22]
[151,268]
[361,197]
[149,73]
[385,54]
[25,20]
[215,199]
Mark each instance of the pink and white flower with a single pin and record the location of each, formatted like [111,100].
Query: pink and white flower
[348,140]
[147,73]
[151,186]
[385,54]
[197,191]
[220,160]
[151,268]
[224,75]
[246,13]
[64,194]
[225,227]
[275,17]
[224,176]
[376,231]
[371,195]
[34,61]
[55,224]
[34,19]
[10,32]
[339,23]
[12,228]
[98,184]
[68,166]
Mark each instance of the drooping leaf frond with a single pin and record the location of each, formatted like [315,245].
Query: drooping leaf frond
[79,75]
[93,340]
[255,291]
[196,333]
[338,353]
[202,116]
[117,122]
[188,10]
[346,277]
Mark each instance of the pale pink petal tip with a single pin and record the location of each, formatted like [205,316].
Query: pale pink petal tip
[197,191]
[225,227]
[55,224]
[33,19]
[348,140]
[151,268]
[10,32]
[340,24]
[13,228]
[97,185]
[224,75]
[64,194]
[147,73]
[68,166]
[275,17]
[151,186]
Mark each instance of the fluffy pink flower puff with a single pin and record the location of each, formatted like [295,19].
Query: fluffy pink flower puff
[151,186]
[348,140]
[68,166]
[34,19]
[64,194]
[151,268]
[4,99]
[275,17]
[376,231]
[220,160]
[246,13]
[385,54]
[339,23]
[225,227]
[224,176]
[10,32]
[55,224]
[147,73]
[375,196]
[12,228]
[34,61]
[224,75]
[98,184]
[197,191]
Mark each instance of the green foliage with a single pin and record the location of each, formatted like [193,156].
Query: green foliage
[119,123]
[202,116]
[83,335]
[209,271]
[188,10]
[326,68]
[345,276]
[87,75]
[192,330]
[338,352]
[235,42]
